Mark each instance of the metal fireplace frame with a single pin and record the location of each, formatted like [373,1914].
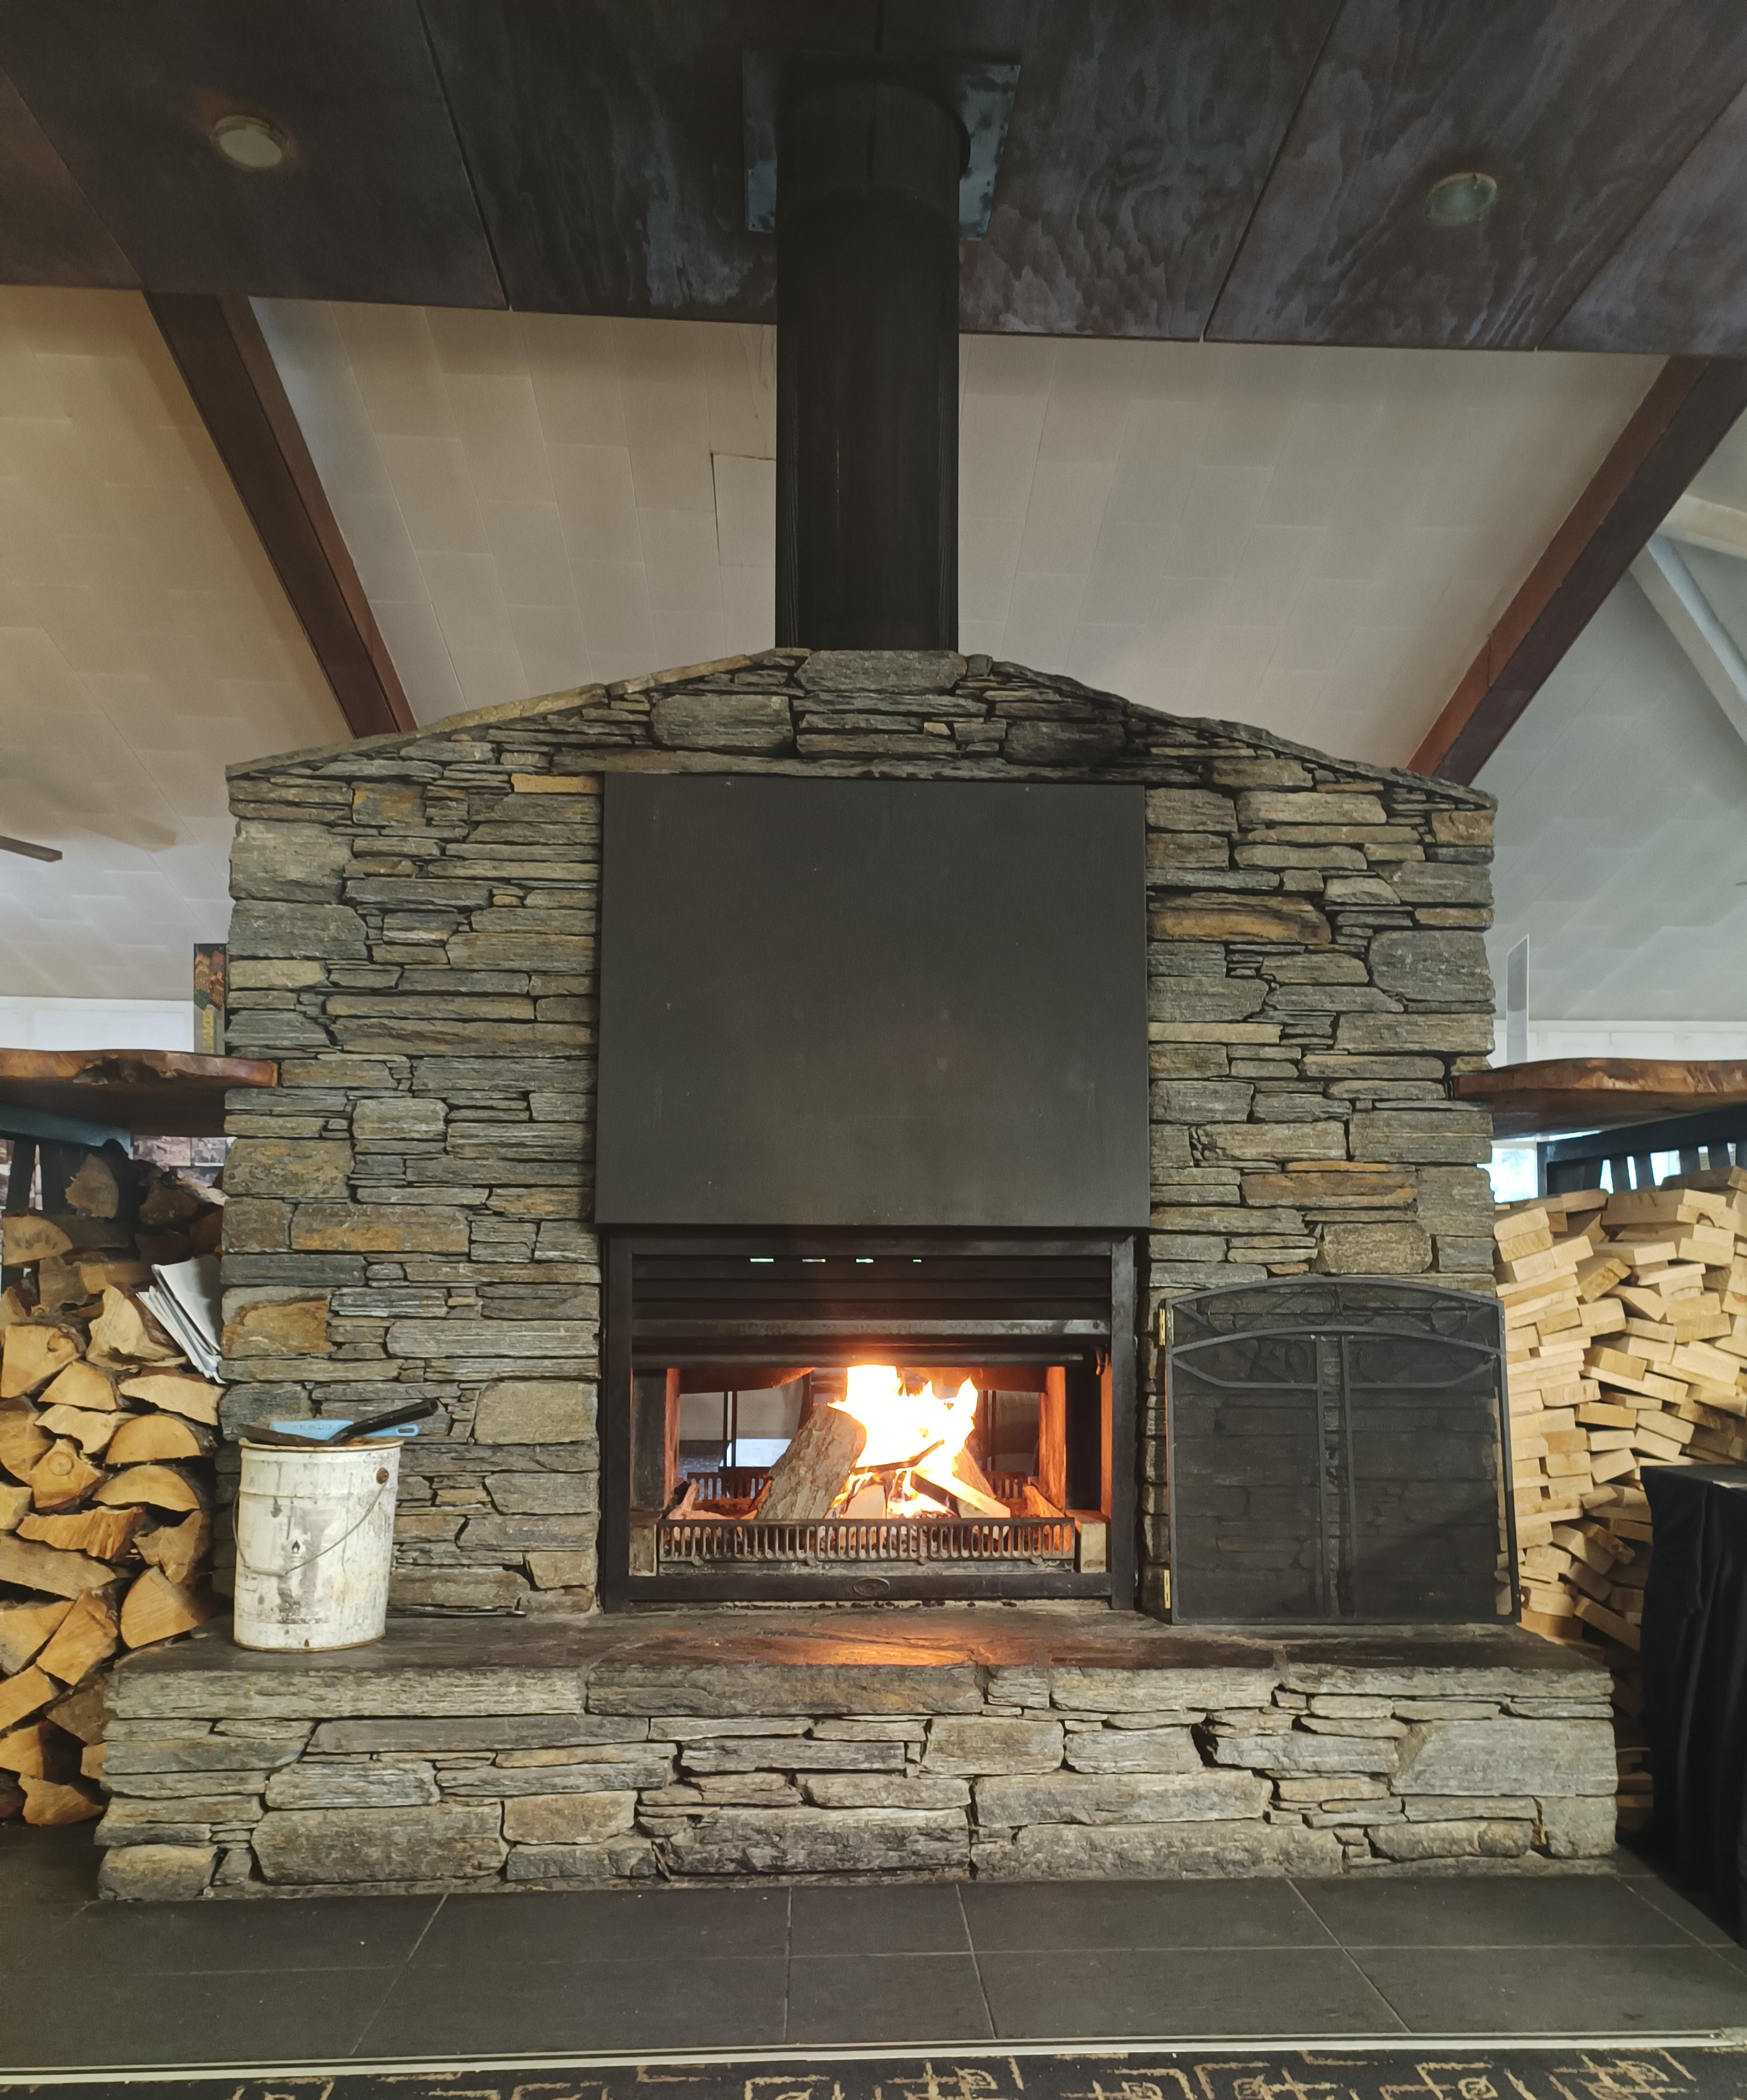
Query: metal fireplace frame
[1115,1333]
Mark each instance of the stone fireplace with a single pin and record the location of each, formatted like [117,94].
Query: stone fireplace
[614,1657]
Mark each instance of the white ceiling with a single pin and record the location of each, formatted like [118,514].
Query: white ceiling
[145,644]
[1315,540]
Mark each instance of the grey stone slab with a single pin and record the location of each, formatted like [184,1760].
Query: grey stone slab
[1298,1752]
[134,1755]
[790,1754]
[125,1814]
[604,1864]
[454,1841]
[155,1873]
[172,1787]
[885,1790]
[1452,1840]
[967,1749]
[803,1841]
[1100,1797]
[1098,1690]
[313,1692]
[568,1819]
[489,1732]
[1581,1828]
[1132,1750]
[1452,1679]
[496,1782]
[1508,1756]
[696,1728]
[824,1688]
[318,1783]
[1159,1852]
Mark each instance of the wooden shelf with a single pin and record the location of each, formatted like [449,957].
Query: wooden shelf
[1560,1094]
[152,1093]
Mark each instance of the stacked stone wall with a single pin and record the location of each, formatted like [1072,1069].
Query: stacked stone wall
[224,1781]
[414,939]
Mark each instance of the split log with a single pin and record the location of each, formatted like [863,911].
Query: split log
[14,1503]
[82,1713]
[11,1799]
[22,1441]
[124,1333]
[98,1189]
[161,1249]
[143,1437]
[83,1386]
[102,1273]
[156,1608]
[63,1475]
[206,1232]
[89,1431]
[176,1394]
[171,1202]
[23,1631]
[31,1352]
[179,1549]
[165,1487]
[815,1470]
[43,1568]
[90,1761]
[104,1533]
[29,1750]
[86,1637]
[964,1479]
[22,1696]
[61,1286]
[26,1237]
[48,1804]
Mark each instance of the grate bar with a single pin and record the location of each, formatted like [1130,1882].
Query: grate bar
[837,1542]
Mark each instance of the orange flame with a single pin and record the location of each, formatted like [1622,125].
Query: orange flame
[915,1458]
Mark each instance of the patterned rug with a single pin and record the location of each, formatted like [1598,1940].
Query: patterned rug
[1599,2071]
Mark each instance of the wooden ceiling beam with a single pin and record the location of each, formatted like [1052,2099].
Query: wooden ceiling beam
[1690,407]
[218,345]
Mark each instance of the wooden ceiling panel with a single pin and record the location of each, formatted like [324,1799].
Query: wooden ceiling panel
[1581,109]
[1678,281]
[605,141]
[1142,135]
[373,201]
[49,233]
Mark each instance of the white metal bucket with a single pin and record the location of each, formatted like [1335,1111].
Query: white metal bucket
[314,1539]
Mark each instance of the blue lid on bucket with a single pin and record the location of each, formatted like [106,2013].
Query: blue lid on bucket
[323,1432]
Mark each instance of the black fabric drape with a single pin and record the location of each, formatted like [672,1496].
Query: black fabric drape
[1695,1677]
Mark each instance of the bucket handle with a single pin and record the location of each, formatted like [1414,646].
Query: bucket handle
[276,1574]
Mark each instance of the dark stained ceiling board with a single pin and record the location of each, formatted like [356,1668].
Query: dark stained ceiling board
[606,140]
[1581,109]
[373,203]
[1678,280]
[49,233]
[1141,138]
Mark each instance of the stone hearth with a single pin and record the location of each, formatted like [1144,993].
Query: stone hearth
[992,1742]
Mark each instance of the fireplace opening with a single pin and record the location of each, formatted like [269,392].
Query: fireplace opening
[869,1418]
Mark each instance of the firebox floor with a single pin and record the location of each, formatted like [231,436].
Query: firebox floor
[571,1975]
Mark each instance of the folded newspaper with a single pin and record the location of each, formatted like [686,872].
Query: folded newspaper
[182,1297]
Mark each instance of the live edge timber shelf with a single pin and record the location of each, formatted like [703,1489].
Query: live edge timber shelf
[149,1093]
[1555,1094]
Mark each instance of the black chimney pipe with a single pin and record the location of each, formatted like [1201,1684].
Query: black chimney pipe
[867,367]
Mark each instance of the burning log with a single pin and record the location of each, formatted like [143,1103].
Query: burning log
[815,1469]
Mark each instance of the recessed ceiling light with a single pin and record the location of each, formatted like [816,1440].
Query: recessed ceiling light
[250,142]
[1462,199]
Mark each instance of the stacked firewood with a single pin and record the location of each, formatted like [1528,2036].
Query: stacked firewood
[1626,1336]
[105,1472]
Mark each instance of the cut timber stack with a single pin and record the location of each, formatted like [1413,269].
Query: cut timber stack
[1626,1339]
[105,1477]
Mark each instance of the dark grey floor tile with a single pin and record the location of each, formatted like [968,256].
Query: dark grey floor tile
[1502,1910]
[1138,1994]
[70,2018]
[309,1932]
[918,1917]
[1082,1914]
[1564,1991]
[847,1998]
[609,1923]
[48,1866]
[680,2003]
[1680,1910]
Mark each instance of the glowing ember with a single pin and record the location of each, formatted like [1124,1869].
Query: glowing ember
[915,1462]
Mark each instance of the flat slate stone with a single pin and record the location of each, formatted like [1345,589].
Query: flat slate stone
[577,1863]
[824,1840]
[343,1845]
[1296,1751]
[885,1790]
[495,1781]
[1159,1852]
[130,1757]
[1508,1756]
[1106,1691]
[730,1688]
[790,1754]
[318,1783]
[155,1873]
[488,1731]
[1122,1797]
[969,1748]
[1132,1750]
[323,1694]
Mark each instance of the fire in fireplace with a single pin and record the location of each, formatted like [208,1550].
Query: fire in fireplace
[943,1419]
